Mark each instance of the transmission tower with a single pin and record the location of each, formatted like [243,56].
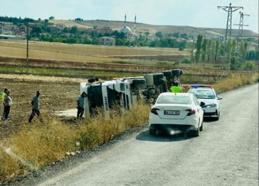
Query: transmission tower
[229,9]
[241,24]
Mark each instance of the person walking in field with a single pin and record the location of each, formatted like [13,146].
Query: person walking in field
[35,106]
[7,105]
[81,105]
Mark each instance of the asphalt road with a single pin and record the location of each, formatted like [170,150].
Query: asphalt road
[226,153]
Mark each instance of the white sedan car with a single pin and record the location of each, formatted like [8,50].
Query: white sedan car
[209,99]
[180,111]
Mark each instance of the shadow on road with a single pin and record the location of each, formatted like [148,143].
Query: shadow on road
[162,137]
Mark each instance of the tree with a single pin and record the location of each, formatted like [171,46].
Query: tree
[204,49]
[78,19]
[198,48]
[51,18]
[159,35]
[216,51]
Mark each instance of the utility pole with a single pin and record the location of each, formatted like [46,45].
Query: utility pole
[229,9]
[27,46]
[241,25]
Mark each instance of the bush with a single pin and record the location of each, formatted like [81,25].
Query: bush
[186,61]
[249,65]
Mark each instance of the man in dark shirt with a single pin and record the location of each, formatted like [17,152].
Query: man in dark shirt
[81,105]
[35,106]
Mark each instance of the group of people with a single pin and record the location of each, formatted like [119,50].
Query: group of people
[7,103]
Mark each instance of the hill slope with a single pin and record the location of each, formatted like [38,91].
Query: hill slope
[141,27]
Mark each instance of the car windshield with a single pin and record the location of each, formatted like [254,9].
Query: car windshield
[173,99]
[203,93]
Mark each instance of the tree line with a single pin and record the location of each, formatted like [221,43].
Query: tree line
[235,52]
[44,30]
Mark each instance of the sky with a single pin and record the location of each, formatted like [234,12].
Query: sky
[199,13]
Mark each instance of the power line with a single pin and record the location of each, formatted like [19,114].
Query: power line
[229,9]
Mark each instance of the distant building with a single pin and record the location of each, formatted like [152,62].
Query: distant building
[126,30]
[129,33]
[109,41]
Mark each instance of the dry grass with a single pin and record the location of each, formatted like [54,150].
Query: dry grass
[49,141]
[236,80]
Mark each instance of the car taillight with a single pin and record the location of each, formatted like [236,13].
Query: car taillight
[190,112]
[154,111]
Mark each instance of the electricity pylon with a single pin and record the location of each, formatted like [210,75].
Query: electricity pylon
[241,25]
[229,9]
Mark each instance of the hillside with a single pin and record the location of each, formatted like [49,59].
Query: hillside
[141,27]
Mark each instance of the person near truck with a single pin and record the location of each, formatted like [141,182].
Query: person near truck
[35,103]
[81,105]
[176,87]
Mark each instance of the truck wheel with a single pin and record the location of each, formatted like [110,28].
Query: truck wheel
[152,132]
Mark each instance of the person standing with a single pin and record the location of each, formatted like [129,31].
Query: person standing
[81,105]
[35,106]
[7,105]
[3,94]
[176,87]
[2,97]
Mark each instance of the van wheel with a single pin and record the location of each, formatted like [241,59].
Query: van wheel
[217,117]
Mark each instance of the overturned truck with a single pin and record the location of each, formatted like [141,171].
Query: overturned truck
[123,93]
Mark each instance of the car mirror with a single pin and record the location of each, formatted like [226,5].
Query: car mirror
[220,98]
[202,104]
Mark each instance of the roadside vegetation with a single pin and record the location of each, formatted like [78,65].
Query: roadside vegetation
[52,140]
[236,80]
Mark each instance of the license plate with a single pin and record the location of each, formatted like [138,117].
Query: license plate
[172,112]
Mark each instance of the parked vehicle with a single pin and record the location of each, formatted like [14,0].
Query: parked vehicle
[180,111]
[209,99]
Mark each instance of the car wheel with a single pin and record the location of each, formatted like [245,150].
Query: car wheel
[197,132]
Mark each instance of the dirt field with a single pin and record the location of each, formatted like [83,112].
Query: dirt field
[81,53]
[55,96]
